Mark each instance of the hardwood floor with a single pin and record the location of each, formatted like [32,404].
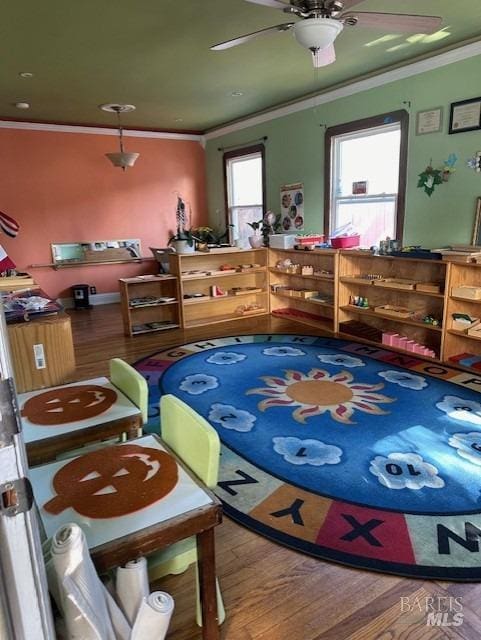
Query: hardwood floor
[270,592]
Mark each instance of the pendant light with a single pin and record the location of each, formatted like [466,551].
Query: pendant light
[123,158]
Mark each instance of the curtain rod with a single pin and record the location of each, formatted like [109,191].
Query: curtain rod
[242,144]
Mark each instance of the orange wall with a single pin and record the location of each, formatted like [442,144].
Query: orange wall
[61,188]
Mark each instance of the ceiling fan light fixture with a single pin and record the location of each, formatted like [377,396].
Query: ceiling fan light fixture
[317,33]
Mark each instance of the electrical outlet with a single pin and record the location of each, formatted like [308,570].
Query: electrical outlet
[93,290]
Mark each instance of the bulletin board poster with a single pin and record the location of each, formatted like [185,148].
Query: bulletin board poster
[292,207]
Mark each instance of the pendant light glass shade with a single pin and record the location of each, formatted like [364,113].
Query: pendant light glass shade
[317,33]
[120,158]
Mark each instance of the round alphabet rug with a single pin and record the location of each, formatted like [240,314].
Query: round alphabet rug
[348,452]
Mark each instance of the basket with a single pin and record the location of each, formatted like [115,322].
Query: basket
[345,242]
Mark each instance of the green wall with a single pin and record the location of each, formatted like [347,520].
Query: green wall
[295,153]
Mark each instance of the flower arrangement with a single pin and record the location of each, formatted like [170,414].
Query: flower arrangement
[181,220]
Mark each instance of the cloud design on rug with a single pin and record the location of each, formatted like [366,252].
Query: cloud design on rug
[461,409]
[226,357]
[405,471]
[468,446]
[312,452]
[229,417]
[283,351]
[341,360]
[404,379]
[198,383]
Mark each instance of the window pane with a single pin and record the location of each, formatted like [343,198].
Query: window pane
[239,217]
[374,221]
[245,180]
[371,157]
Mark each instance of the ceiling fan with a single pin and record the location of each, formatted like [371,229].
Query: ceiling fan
[323,20]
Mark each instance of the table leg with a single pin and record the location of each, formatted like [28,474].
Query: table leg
[207,585]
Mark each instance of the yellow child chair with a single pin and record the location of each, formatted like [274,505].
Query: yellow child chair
[197,444]
[132,384]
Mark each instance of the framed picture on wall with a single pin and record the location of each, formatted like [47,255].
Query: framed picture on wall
[429,121]
[465,116]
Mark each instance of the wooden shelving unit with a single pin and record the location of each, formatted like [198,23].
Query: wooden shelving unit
[456,341]
[355,264]
[149,303]
[288,286]
[245,285]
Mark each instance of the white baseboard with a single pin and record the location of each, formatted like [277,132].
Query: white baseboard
[94,299]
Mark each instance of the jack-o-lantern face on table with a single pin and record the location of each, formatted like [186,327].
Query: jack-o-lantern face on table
[114,481]
[68,404]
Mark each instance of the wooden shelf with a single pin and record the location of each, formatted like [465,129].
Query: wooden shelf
[300,299]
[145,287]
[153,304]
[322,323]
[385,346]
[465,300]
[230,296]
[462,334]
[222,318]
[225,274]
[194,313]
[385,316]
[369,284]
[300,275]
[150,330]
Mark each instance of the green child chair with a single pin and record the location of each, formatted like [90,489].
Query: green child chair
[197,444]
[131,383]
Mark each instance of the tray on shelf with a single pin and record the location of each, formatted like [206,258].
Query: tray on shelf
[396,283]
[394,311]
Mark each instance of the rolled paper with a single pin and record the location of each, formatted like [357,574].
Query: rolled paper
[132,585]
[153,618]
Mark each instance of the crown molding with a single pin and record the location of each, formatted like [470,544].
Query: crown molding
[98,131]
[400,73]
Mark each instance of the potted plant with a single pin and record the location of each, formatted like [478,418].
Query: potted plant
[184,239]
[256,240]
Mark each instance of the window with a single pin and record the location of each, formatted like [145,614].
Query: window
[366,177]
[245,190]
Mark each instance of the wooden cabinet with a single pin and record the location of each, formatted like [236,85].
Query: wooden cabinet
[457,341]
[221,285]
[42,352]
[304,286]
[149,303]
[397,296]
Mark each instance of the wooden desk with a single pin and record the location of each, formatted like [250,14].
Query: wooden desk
[66,417]
[131,503]
[53,336]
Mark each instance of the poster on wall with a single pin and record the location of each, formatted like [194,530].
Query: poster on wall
[292,207]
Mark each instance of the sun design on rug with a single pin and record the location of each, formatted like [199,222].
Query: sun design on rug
[316,392]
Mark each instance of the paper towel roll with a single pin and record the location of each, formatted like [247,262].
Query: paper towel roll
[82,595]
[132,586]
[153,618]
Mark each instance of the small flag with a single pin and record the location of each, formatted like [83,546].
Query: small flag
[8,225]
[5,262]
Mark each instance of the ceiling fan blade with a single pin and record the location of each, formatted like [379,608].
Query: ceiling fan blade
[323,57]
[397,22]
[250,36]
[275,4]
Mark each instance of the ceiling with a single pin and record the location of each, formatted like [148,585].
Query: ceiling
[155,54]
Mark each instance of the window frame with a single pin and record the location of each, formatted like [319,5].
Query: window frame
[356,126]
[239,153]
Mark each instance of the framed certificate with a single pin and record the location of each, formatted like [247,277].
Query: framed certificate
[429,121]
[465,116]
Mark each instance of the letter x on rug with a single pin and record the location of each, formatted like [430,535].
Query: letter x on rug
[344,451]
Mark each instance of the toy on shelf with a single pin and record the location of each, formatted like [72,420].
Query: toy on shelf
[402,342]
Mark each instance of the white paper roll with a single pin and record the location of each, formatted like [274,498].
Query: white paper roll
[81,593]
[132,586]
[154,616]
